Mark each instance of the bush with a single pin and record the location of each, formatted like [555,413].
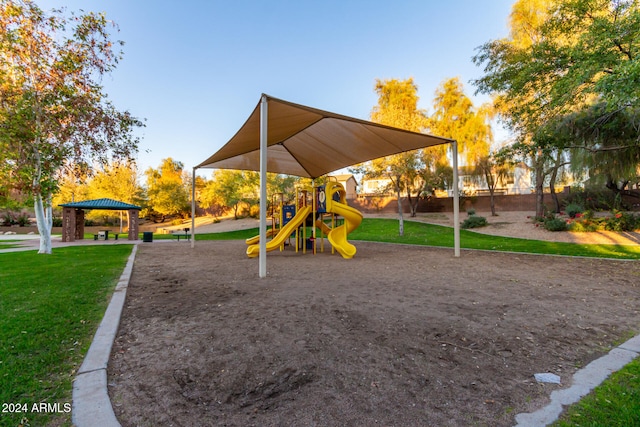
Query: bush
[8,219]
[585,225]
[621,221]
[254,211]
[555,224]
[474,221]
[471,212]
[572,209]
[23,220]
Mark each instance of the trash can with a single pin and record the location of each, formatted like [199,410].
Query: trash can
[147,236]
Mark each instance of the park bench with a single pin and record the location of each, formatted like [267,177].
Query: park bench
[104,235]
[181,233]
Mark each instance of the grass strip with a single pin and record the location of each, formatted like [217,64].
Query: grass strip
[614,403]
[50,308]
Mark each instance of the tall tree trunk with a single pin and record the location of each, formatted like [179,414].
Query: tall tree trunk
[492,184]
[400,217]
[539,172]
[43,222]
[552,184]
[539,200]
[413,203]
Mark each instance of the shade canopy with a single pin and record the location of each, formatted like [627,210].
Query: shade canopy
[308,142]
[102,204]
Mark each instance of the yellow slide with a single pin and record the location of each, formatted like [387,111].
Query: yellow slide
[352,219]
[254,250]
[255,239]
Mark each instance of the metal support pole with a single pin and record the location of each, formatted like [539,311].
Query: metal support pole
[456,200]
[264,115]
[193,207]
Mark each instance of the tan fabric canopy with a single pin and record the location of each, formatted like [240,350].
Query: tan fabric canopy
[292,139]
[308,142]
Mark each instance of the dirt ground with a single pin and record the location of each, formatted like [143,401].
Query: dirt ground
[397,336]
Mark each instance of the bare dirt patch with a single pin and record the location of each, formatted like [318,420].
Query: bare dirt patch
[399,335]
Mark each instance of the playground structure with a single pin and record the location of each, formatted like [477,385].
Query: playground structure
[319,207]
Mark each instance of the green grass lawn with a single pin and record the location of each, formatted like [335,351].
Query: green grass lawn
[418,233]
[615,403]
[50,307]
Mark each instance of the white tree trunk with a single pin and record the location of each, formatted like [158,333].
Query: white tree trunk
[44,220]
[400,216]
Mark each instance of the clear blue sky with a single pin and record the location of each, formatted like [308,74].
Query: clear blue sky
[196,69]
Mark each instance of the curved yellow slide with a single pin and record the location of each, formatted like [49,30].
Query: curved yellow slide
[254,250]
[255,239]
[352,219]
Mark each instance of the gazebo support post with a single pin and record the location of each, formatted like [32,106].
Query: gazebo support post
[79,229]
[133,224]
[68,225]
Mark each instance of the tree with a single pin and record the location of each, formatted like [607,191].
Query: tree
[398,107]
[53,112]
[603,145]
[493,168]
[167,191]
[232,188]
[119,182]
[562,58]
[456,117]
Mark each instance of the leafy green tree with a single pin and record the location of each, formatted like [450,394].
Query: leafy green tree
[53,111]
[456,117]
[398,107]
[561,58]
[493,168]
[232,189]
[119,182]
[167,189]
[602,144]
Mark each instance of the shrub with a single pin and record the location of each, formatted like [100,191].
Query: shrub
[572,209]
[474,221]
[8,219]
[555,224]
[621,221]
[23,220]
[471,212]
[585,225]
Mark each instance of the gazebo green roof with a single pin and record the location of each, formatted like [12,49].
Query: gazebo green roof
[106,204]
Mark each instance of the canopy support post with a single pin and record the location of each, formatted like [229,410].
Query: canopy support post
[193,207]
[262,256]
[456,200]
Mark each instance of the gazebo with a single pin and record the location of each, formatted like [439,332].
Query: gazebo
[73,217]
